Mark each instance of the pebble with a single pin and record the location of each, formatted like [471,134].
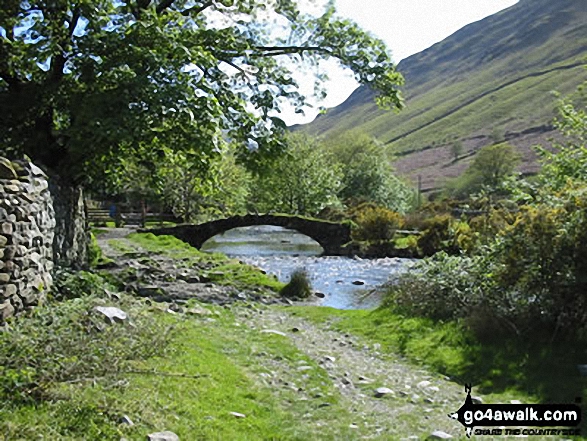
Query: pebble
[163,436]
[382,391]
[273,331]
[477,400]
[439,434]
[238,415]
[423,384]
[125,419]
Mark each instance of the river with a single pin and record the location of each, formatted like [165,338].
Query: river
[347,283]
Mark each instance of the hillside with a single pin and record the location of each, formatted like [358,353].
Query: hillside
[491,79]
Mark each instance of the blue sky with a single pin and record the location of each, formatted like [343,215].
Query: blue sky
[407,26]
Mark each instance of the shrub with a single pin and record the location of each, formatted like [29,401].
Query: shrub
[67,341]
[376,224]
[299,286]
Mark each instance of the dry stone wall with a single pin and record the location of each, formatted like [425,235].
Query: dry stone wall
[27,225]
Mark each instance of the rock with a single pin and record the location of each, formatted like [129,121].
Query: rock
[423,384]
[6,169]
[382,391]
[477,400]
[162,436]
[329,358]
[353,426]
[439,434]
[238,415]
[295,330]
[149,290]
[433,389]
[198,311]
[358,282]
[273,331]
[515,402]
[305,368]
[112,314]
[9,290]
[125,419]
[320,295]
[6,310]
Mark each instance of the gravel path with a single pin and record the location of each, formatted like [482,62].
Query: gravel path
[414,403]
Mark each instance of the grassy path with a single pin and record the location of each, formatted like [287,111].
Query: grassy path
[239,365]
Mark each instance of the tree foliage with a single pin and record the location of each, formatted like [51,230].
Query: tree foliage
[84,80]
[490,168]
[528,277]
[303,181]
[368,175]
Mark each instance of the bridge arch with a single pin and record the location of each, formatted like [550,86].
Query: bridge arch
[330,235]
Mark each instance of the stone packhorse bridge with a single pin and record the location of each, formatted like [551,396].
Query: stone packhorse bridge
[330,235]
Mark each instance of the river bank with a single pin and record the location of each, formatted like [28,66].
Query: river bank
[237,362]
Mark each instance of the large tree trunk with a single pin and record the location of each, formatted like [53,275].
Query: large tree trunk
[71,241]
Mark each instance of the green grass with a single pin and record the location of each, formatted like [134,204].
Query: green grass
[210,367]
[500,370]
[223,271]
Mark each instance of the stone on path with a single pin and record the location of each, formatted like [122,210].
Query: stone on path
[382,391]
[125,419]
[273,331]
[163,436]
[439,434]
[423,384]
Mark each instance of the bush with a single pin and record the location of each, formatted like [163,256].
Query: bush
[376,224]
[68,341]
[299,286]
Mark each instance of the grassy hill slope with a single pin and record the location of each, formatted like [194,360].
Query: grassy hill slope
[492,78]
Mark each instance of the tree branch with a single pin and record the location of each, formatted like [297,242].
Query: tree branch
[164,5]
[198,9]
[75,16]
[271,51]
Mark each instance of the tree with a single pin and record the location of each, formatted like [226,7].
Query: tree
[456,149]
[368,174]
[82,81]
[302,182]
[191,193]
[490,168]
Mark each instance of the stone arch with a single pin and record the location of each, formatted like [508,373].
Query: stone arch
[330,235]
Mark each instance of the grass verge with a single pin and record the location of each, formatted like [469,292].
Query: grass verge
[500,370]
[220,269]
[67,375]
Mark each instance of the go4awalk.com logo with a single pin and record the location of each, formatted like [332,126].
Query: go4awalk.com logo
[561,419]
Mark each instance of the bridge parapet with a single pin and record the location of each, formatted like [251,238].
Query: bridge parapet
[330,235]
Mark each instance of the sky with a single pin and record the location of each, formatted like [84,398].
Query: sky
[406,26]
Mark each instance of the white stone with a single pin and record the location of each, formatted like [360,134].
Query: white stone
[273,331]
[439,434]
[163,436]
[112,313]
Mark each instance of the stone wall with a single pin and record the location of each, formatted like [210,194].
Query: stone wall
[27,225]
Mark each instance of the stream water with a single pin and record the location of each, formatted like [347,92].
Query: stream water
[347,283]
